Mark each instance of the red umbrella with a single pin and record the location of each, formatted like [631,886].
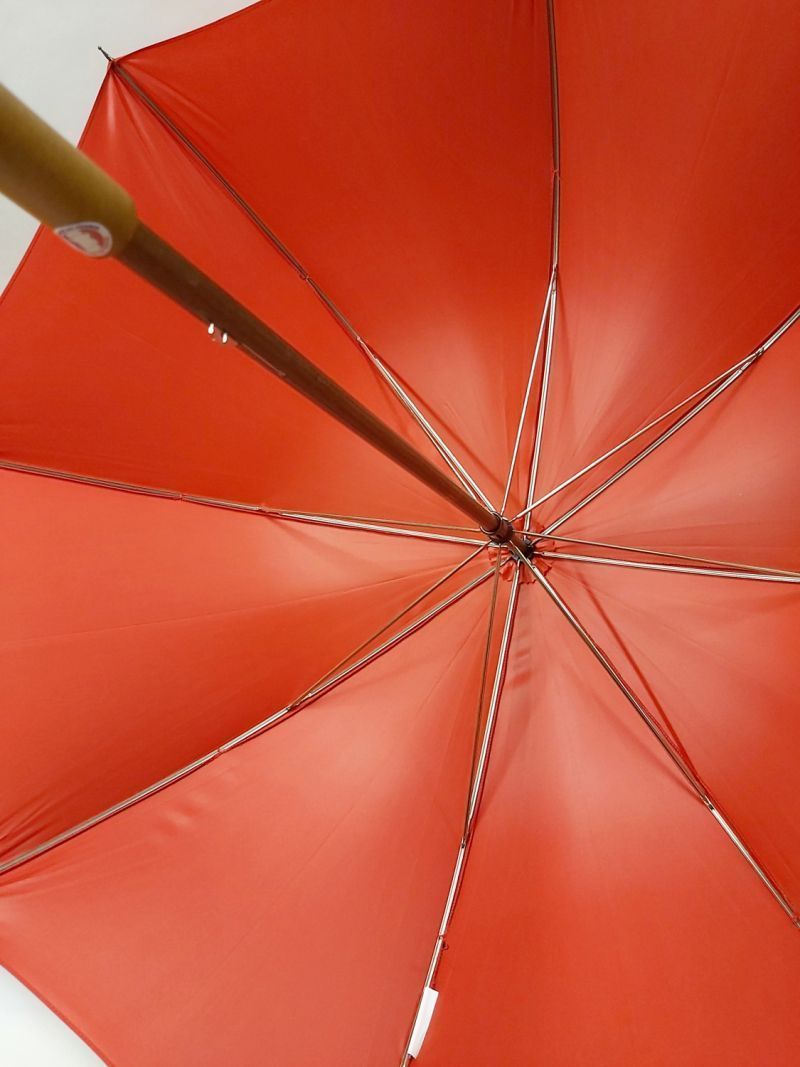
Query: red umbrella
[302,765]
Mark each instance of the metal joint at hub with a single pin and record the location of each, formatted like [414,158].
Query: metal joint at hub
[504,533]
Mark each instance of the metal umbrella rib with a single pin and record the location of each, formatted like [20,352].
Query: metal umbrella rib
[628,440]
[476,786]
[750,568]
[330,680]
[724,382]
[478,776]
[526,401]
[433,436]
[695,783]
[378,364]
[555,241]
[673,568]
[645,452]
[353,879]
[396,527]
[498,563]
[371,527]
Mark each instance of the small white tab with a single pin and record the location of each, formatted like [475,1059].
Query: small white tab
[423,1020]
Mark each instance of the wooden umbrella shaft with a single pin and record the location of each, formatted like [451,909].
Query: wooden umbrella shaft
[61,187]
[165,268]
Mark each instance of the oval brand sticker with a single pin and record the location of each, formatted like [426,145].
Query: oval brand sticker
[91,238]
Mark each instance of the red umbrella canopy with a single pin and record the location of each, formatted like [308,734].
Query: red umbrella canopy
[297,768]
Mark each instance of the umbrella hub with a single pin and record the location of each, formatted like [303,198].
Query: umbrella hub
[503,532]
[508,556]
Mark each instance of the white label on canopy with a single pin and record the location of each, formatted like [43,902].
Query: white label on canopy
[423,1020]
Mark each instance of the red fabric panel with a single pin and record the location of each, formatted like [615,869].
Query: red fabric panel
[680,221]
[716,660]
[402,152]
[137,634]
[102,375]
[726,485]
[278,906]
[281,904]
[605,918]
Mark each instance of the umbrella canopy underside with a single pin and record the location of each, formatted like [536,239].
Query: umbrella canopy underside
[285,741]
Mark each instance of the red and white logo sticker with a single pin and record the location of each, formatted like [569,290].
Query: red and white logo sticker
[91,238]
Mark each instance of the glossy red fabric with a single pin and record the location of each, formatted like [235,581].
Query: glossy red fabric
[705,655]
[281,903]
[678,230]
[718,488]
[605,918]
[403,156]
[445,264]
[283,899]
[141,633]
[107,378]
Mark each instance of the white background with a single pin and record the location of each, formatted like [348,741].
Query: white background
[49,58]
